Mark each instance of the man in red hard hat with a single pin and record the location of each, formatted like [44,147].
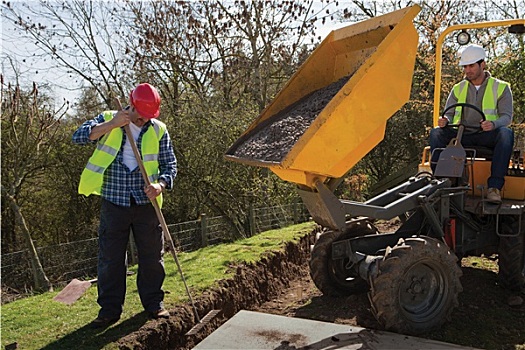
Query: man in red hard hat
[113,173]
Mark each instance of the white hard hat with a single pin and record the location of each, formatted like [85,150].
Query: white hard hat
[472,54]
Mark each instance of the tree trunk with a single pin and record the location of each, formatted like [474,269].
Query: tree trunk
[41,282]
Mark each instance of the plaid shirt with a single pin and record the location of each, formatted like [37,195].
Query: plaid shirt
[119,182]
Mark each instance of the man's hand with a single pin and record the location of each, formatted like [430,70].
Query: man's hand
[121,118]
[442,122]
[487,125]
[153,190]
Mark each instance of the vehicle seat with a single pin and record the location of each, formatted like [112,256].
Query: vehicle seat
[481,152]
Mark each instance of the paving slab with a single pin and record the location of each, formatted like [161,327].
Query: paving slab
[254,330]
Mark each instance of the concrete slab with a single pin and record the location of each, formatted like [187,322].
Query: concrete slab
[255,330]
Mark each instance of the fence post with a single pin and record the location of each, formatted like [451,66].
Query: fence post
[251,219]
[295,210]
[204,230]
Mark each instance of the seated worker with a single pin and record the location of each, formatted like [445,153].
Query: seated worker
[494,98]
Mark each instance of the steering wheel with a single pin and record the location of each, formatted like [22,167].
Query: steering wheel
[483,118]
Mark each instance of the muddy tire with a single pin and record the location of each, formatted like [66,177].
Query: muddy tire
[511,258]
[330,276]
[415,287]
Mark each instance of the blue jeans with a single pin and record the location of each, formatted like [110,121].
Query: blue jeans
[501,140]
[115,224]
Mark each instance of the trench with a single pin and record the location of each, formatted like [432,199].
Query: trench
[252,285]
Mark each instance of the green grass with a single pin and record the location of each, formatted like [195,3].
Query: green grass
[39,322]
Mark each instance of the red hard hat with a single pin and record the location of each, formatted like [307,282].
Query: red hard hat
[146,100]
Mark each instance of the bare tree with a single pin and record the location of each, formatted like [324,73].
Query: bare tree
[219,64]
[29,129]
[75,36]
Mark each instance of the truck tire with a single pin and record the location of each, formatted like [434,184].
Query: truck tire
[415,287]
[511,258]
[330,276]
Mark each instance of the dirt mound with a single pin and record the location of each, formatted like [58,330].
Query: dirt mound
[251,286]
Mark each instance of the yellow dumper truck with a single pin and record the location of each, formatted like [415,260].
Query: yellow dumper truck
[328,116]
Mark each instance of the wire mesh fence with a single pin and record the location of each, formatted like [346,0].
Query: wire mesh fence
[186,235]
[78,259]
[279,216]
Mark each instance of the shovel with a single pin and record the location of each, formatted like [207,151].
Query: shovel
[74,290]
[452,159]
[207,318]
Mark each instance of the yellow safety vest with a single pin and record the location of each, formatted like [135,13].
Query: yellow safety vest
[108,146]
[493,92]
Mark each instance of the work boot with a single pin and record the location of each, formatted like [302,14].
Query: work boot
[103,322]
[161,313]
[494,196]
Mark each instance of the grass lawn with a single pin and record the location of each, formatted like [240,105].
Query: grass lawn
[39,322]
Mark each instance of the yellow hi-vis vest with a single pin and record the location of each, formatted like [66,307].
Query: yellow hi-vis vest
[493,92]
[107,148]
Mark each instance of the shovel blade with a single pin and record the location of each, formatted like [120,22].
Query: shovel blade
[73,291]
[205,320]
[451,162]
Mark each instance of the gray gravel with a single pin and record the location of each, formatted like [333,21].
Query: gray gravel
[274,138]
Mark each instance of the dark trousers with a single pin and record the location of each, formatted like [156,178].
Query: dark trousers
[115,224]
[501,140]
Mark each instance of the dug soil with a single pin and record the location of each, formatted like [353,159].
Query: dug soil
[280,284]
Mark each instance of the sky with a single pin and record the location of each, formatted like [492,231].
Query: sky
[31,70]
[44,69]
[28,69]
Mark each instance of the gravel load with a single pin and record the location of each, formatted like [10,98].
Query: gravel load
[274,138]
